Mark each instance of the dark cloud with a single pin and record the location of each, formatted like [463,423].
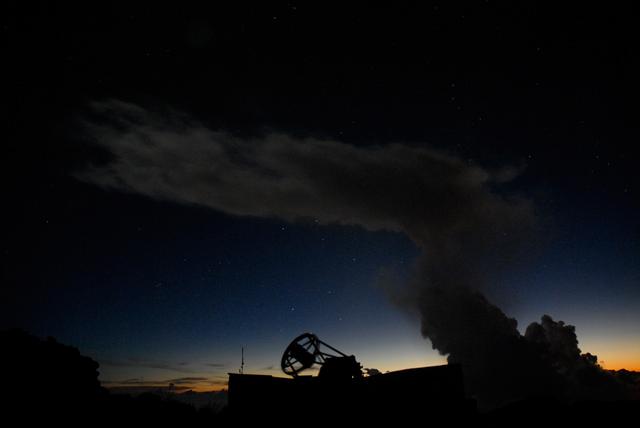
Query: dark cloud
[181,367]
[135,390]
[557,344]
[180,380]
[190,381]
[459,214]
[500,364]
[183,380]
[215,365]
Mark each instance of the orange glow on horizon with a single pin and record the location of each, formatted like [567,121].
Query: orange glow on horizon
[614,353]
[606,360]
[164,387]
[633,366]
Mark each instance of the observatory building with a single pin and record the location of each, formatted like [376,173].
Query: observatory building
[341,391]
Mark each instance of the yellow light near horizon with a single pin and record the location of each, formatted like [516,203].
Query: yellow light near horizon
[614,353]
[619,364]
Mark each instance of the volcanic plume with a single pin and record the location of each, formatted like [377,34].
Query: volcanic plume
[468,227]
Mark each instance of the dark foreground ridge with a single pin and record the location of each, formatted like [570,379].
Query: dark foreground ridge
[48,382]
[406,394]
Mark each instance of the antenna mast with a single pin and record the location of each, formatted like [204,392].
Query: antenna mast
[242,362]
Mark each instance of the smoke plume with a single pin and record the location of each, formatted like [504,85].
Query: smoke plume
[458,214]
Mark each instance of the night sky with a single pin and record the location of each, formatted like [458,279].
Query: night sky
[162,270]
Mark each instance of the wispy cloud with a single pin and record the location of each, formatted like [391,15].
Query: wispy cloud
[417,190]
[453,209]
